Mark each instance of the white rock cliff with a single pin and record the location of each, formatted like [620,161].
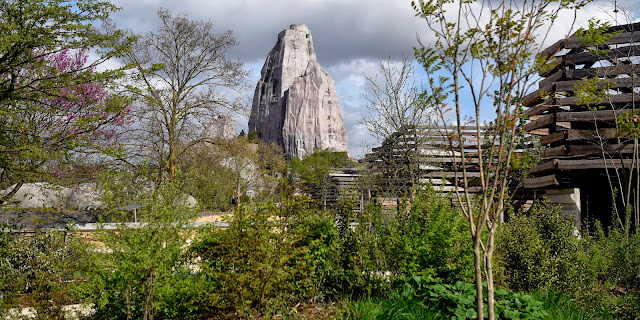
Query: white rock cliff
[295,103]
[222,127]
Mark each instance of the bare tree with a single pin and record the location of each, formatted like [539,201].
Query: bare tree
[182,78]
[399,119]
[486,54]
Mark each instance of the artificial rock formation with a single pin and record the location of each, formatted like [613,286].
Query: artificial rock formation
[295,103]
[223,127]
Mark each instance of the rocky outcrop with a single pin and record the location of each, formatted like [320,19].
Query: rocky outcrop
[85,196]
[313,118]
[47,195]
[295,103]
[223,127]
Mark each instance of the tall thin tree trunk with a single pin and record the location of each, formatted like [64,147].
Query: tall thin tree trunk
[478,260]
[148,315]
[488,262]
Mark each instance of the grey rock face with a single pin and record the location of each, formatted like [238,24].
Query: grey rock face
[295,103]
[223,127]
[313,118]
[46,195]
[39,195]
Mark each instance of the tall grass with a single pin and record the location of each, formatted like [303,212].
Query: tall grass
[562,307]
[396,306]
[559,306]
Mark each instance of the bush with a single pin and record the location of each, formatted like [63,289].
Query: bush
[40,271]
[135,268]
[620,249]
[271,256]
[542,251]
[380,250]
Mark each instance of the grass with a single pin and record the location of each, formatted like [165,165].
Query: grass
[558,305]
[562,307]
[393,307]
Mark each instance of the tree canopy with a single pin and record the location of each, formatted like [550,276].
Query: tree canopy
[182,78]
[54,100]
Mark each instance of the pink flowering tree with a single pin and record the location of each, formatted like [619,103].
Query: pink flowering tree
[50,126]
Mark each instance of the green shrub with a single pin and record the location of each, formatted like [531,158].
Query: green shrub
[271,256]
[135,268]
[380,250]
[620,249]
[362,264]
[624,247]
[542,251]
[40,271]
[435,239]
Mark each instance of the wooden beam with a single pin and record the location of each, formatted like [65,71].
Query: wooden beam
[593,164]
[584,150]
[553,138]
[625,37]
[615,98]
[532,98]
[539,132]
[541,182]
[573,74]
[544,166]
[547,83]
[450,174]
[578,135]
[614,83]
[553,65]
[547,105]
[543,121]
[626,27]
[590,116]
[553,49]
[553,152]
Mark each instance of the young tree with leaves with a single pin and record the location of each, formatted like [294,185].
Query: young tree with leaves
[486,54]
[54,101]
[182,79]
[241,167]
[135,269]
[312,172]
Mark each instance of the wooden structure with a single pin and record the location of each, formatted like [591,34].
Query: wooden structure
[340,182]
[576,111]
[423,155]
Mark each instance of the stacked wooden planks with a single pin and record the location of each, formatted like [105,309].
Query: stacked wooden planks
[424,155]
[578,126]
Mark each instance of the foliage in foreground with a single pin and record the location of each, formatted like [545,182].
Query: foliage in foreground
[40,270]
[142,272]
[275,255]
[270,256]
[399,305]
[540,252]
[278,254]
[382,249]
[428,298]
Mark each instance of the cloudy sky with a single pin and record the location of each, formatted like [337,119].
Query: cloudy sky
[350,37]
